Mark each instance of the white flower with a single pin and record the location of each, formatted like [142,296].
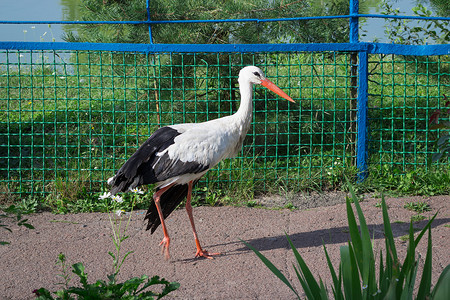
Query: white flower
[25,31]
[119,212]
[105,195]
[118,199]
[364,287]
[137,191]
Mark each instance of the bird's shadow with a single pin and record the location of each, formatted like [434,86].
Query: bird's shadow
[335,235]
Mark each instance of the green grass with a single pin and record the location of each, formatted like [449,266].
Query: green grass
[418,182]
[219,188]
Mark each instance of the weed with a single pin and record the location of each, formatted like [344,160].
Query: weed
[290,206]
[252,203]
[65,275]
[419,207]
[417,218]
[399,222]
[12,212]
[134,288]
[28,205]
[404,238]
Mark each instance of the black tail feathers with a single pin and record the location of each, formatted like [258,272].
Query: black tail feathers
[169,200]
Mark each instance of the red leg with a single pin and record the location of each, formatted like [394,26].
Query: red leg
[166,240]
[200,252]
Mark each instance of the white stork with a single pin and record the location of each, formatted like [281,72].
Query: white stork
[176,156]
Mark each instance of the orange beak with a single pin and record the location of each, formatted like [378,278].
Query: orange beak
[271,86]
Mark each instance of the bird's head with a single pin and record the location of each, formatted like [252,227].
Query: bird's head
[255,75]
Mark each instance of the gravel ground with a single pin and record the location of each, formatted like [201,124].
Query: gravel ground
[29,261]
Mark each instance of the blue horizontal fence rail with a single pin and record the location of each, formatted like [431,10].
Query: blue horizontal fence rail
[370,48]
[362,48]
[149,22]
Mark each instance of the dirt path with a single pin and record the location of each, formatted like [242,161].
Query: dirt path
[29,261]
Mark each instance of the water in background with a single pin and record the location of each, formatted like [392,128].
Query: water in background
[36,10]
[67,10]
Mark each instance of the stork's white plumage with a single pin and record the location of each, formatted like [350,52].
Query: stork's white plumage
[176,156]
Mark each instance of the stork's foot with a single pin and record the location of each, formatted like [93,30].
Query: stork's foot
[165,247]
[205,254]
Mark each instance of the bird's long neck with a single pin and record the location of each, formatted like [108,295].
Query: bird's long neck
[244,112]
[242,119]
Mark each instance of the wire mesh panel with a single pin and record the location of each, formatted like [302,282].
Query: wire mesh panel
[404,92]
[69,120]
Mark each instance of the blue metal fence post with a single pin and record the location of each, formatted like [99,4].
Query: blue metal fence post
[363,92]
[149,25]
[362,98]
[354,20]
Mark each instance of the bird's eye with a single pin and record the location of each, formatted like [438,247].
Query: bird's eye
[256,74]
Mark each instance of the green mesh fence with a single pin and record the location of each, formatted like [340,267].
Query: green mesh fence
[73,118]
[404,92]
[69,120]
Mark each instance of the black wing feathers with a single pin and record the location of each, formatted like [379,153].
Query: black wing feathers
[167,168]
[138,170]
[146,167]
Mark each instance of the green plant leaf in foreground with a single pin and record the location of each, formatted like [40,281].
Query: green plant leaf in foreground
[357,278]
[337,292]
[425,283]
[362,245]
[350,276]
[272,268]
[309,283]
[442,288]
